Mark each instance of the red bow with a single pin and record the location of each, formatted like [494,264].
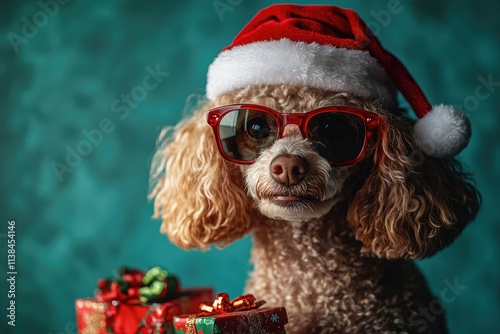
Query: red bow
[134,286]
[124,289]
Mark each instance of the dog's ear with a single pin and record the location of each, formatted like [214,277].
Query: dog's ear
[200,197]
[411,205]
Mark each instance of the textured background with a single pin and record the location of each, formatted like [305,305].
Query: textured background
[61,80]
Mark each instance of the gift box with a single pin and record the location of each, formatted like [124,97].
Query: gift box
[136,302]
[240,316]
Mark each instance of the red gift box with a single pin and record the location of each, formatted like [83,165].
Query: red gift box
[129,306]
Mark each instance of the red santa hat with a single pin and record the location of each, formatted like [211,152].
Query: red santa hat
[331,48]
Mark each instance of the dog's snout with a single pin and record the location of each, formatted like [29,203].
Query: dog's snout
[288,169]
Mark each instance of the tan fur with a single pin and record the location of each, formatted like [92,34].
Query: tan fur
[338,264]
[200,198]
[411,205]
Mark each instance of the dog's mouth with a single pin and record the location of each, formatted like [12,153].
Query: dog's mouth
[294,207]
[291,200]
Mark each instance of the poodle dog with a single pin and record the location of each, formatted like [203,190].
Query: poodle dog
[337,192]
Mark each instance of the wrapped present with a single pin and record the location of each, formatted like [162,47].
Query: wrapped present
[137,302]
[240,316]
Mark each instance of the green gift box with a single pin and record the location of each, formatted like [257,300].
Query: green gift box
[269,320]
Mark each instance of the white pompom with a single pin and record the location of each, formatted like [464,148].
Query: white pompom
[443,132]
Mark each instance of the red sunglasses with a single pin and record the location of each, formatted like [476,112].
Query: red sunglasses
[338,134]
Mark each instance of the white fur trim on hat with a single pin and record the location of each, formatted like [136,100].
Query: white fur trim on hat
[299,63]
[442,132]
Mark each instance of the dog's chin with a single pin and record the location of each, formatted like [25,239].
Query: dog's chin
[294,209]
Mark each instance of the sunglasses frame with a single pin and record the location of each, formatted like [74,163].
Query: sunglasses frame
[370,119]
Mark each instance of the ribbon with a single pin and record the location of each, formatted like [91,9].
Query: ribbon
[125,287]
[158,285]
[222,304]
[133,286]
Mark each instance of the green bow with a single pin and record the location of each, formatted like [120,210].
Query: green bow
[158,286]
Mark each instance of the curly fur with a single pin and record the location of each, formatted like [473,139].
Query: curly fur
[411,205]
[341,263]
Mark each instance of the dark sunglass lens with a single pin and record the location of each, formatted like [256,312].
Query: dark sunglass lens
[338,137]
[258,128]
[245,132]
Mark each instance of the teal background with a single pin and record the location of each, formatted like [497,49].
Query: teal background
[63,80]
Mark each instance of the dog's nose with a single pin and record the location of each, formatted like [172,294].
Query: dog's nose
[288,169]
